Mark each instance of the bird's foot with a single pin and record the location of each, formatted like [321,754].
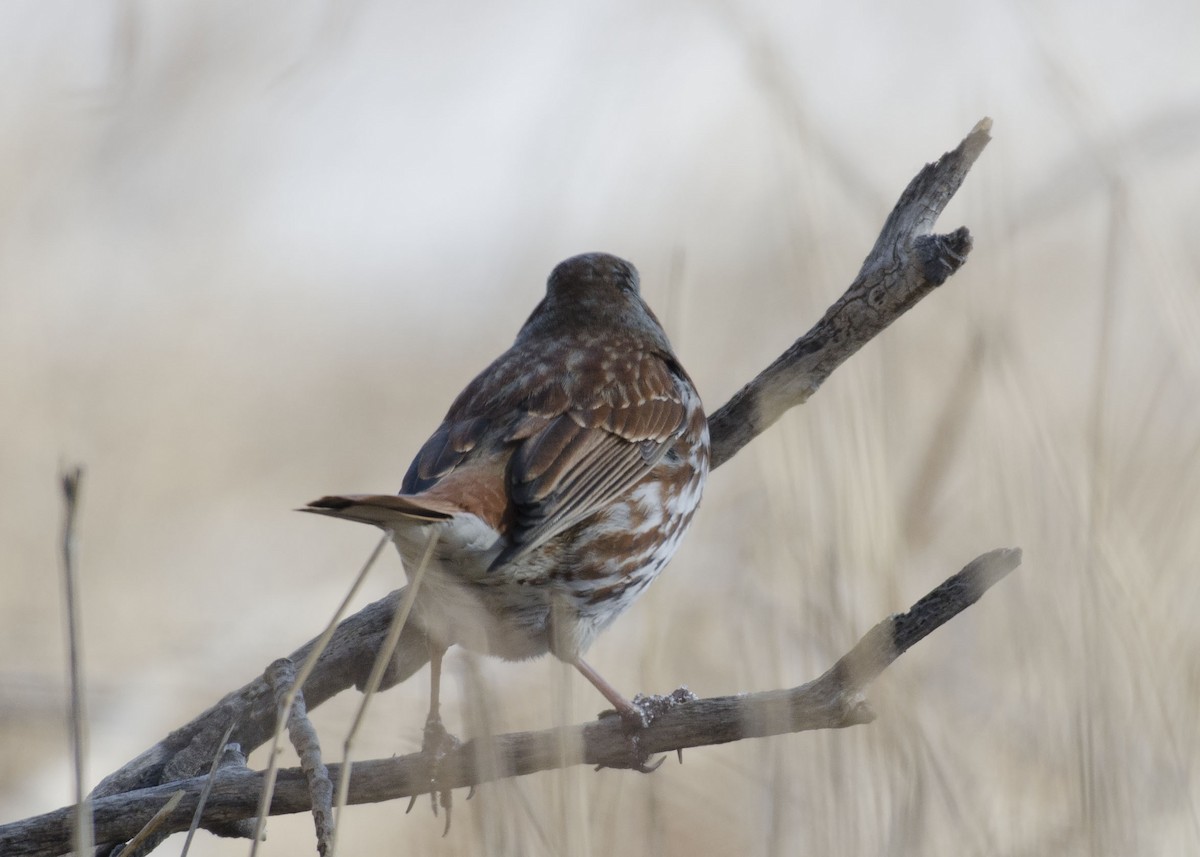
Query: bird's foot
[657,705]
[436,745]
[636,715]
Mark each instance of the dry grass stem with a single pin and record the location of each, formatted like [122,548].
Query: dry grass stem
[206,791]
[383,660]
[835,700]
[310,661]
[82,823]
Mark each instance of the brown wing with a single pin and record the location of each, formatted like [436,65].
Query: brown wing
[570,465]
[574,446]
[448,447]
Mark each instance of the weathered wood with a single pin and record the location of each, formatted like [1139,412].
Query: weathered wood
[834,700]
[906,263]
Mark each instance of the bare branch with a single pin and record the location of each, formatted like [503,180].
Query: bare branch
[227,755]
[345,663]
[833,701]
[905,265]
[282,675]
[149,837]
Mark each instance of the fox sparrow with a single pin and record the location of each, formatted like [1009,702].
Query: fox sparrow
[559,484]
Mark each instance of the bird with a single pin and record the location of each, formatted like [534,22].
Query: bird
[557,487]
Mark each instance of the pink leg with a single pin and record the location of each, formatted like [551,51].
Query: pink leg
[634,718]
[436,653]
[628,711]
[437,742]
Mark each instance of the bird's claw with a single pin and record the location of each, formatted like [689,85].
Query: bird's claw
[643,711]
[436,745]
[641,759]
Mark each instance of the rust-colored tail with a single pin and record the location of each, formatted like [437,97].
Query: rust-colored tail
[383,510]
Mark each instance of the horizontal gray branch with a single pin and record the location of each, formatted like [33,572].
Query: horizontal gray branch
[834,700]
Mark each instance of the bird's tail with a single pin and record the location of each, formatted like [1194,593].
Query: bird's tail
[383,510]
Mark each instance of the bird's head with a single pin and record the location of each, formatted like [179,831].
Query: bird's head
[594,293]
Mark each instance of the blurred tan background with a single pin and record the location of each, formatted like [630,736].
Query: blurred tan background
[250,252]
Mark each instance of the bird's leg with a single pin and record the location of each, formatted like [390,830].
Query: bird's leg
[630,713]
[633,716]
[433,723]
[437,742]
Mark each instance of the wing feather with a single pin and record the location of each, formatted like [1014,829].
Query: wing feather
[445,450]
[582,460]
[567,449]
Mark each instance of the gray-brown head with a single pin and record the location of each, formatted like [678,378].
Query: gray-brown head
[593,293]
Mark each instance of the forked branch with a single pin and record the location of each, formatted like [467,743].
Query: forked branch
[906,263]
[834,700]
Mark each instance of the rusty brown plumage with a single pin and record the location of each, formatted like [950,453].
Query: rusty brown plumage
[560,481]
